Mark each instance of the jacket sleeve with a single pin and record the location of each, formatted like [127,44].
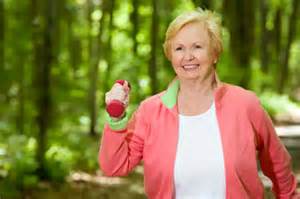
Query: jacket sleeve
[274,158]
[122,143]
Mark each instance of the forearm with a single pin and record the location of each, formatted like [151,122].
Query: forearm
[121,148]
[113,159]
[276,160]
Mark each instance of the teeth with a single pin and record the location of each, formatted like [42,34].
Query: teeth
[190,66]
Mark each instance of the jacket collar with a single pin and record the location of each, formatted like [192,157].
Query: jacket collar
[169,98]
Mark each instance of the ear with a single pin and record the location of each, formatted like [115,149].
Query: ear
[214,57]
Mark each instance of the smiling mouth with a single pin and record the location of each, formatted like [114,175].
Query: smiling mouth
[190,66]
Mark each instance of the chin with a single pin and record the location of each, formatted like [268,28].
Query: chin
[189,77]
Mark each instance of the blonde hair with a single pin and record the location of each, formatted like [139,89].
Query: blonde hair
[211,21]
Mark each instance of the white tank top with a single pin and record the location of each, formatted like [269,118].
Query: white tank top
[199,166]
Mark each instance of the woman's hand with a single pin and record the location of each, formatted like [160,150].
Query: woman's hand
[118,92]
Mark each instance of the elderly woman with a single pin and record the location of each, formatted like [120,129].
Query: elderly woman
[200,138]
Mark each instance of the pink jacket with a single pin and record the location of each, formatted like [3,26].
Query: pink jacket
[247,135]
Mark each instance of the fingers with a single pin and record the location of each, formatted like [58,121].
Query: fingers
[118,92]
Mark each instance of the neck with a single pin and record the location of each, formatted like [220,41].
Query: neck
[198,87]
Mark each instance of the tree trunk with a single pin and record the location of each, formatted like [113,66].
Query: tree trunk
[109,50]
[134,18]
[2,29]
[43,57]
[154,36]
[21,72]
[264,41]
[95,56]
[21,97]
[4,85]
[168,7]
[93,71]
[57,13]
[284,62]
[241,22]
[74,43]
[277,33]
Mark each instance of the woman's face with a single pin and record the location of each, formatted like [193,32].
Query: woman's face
[190,52]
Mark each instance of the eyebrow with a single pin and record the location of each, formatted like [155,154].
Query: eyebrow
[197,42]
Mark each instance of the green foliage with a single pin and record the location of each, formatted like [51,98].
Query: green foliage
[17,164]
[59,161]
[71,148]
[275,103]
[260,80]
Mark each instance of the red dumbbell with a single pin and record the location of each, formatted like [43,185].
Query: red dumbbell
[116,108]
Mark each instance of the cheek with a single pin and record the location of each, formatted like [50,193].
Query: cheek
[203,55]
[205,58]
[175,66]
[176,59]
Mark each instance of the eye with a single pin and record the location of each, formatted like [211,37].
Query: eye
[178,48]
[198,46]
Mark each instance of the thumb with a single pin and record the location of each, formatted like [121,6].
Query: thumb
[126,87]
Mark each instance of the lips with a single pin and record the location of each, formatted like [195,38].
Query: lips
[190,66]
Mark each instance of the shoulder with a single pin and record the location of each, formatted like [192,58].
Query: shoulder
[244,101]
[241,95]
[149,107]
[152,101]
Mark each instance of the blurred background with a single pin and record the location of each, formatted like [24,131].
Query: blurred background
[59,57]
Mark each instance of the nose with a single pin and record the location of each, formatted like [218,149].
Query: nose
[189,55]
